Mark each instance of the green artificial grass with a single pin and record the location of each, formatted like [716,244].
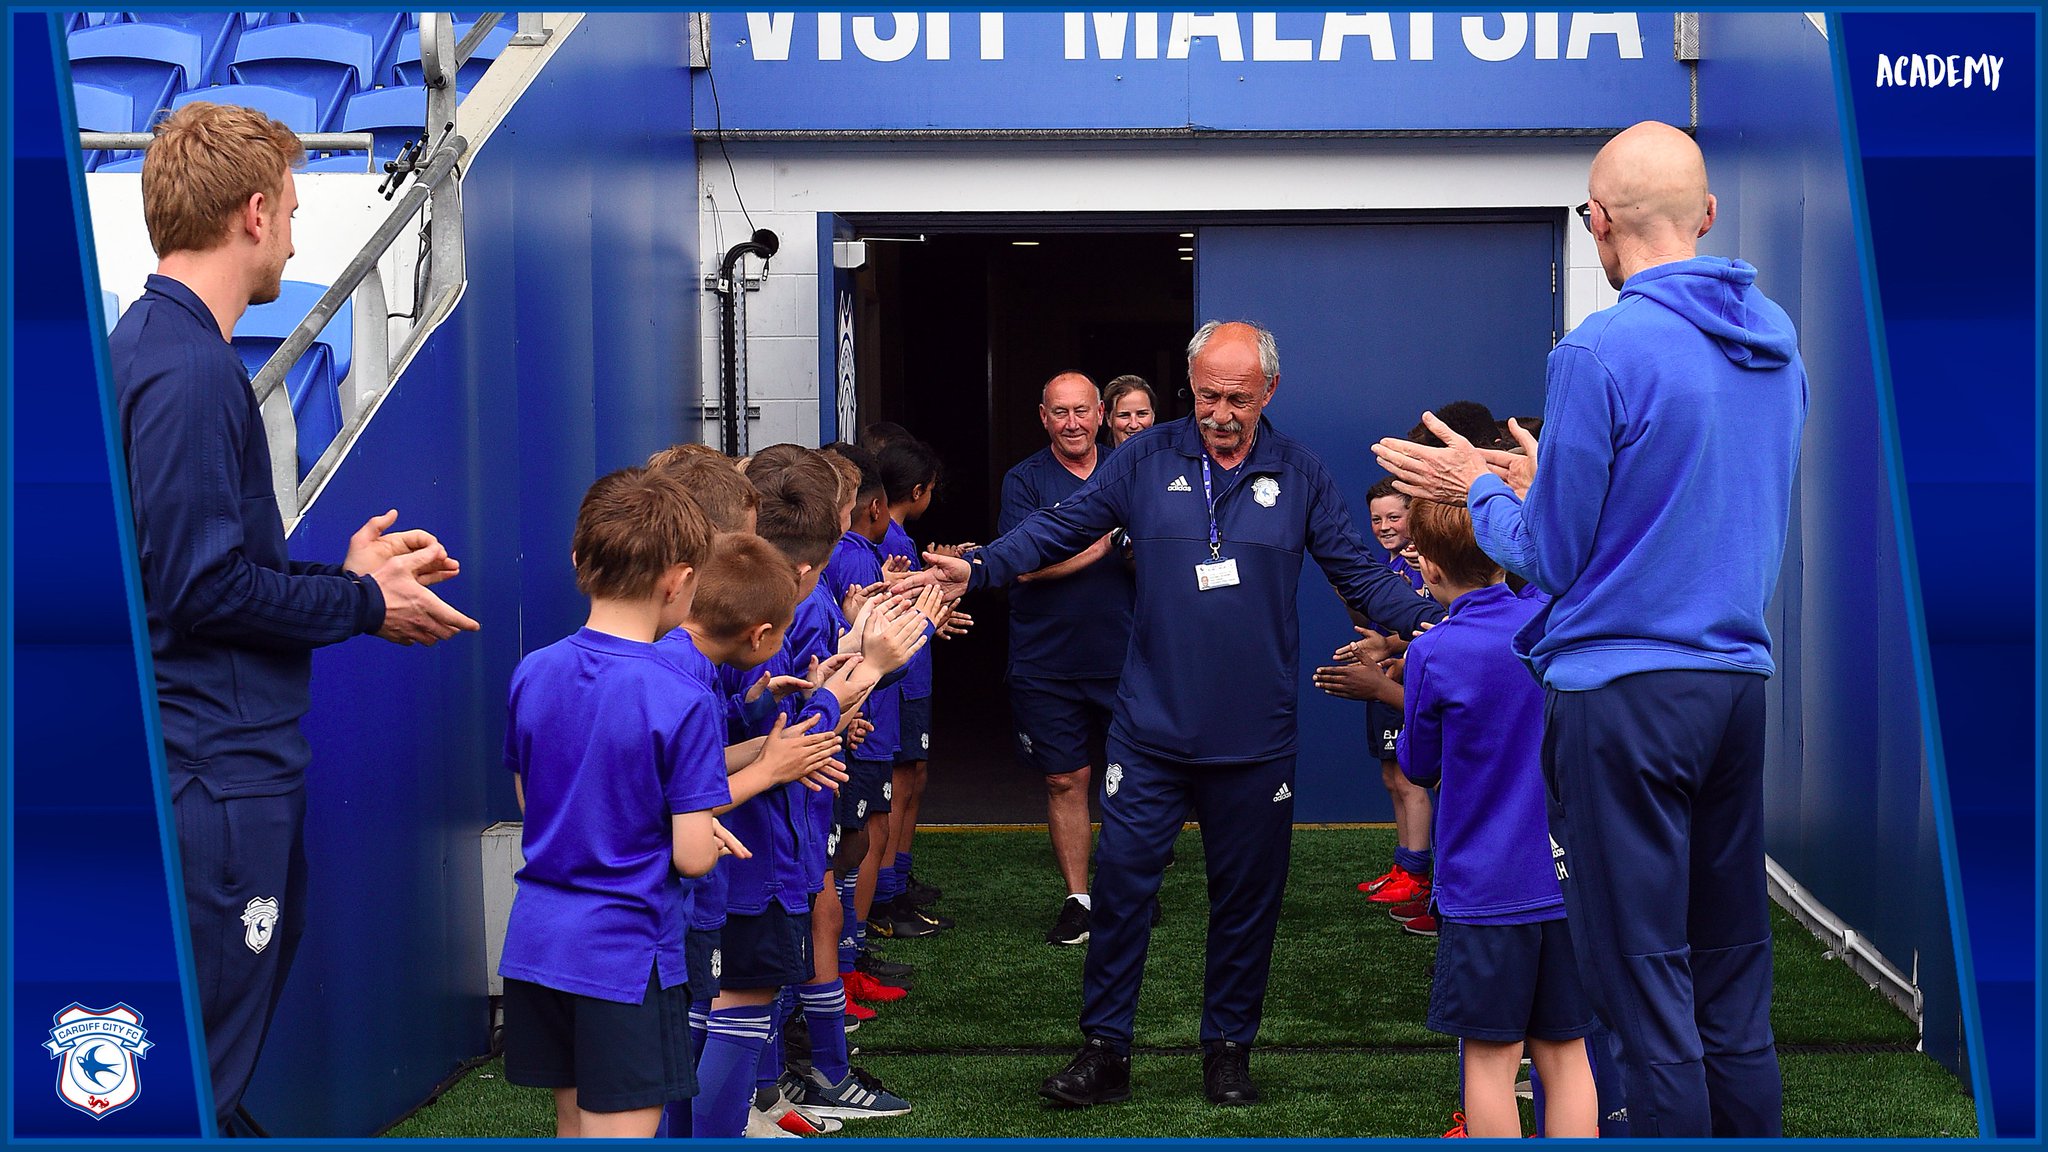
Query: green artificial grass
[1342,1047]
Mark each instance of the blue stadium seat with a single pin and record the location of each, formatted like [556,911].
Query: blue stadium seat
[393,115]
[103,110]
[314,383]
[217,32]
[406,61]
[149,62]
[381,27]
[295,110]
[327,63]
[110,304]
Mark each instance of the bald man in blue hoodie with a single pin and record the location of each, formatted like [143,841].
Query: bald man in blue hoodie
[1656,523]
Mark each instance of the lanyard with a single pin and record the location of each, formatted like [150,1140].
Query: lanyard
[1215,537]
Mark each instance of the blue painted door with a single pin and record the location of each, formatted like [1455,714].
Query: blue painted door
[1376,322]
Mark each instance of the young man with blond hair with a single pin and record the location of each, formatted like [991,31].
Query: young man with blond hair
[233,619]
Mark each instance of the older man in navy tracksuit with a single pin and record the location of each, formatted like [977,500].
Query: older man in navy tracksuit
[1220,509]
[1657,524]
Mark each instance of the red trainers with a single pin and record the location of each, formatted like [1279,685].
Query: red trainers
[1457,1131]
[861,986]
[1405,886]
[1403,913]
[857,1011]
[1377,882]
[1423,925]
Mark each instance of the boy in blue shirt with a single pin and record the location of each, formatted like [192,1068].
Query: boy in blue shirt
[1472,724]
[802,514]
[910,474]
[1409,876]
[864,805]
[736,626]
[617,773]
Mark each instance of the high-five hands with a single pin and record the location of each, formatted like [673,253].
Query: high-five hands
[793,752]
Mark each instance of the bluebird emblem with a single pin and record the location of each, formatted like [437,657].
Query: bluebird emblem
[95,1050]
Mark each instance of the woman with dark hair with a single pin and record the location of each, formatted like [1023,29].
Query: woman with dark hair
[1129,407]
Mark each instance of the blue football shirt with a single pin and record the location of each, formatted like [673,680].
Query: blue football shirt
[609,741]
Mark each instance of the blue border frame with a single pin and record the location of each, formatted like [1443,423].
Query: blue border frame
[1909,574]
[138,620]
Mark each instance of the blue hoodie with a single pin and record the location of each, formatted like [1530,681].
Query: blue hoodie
[1663,486]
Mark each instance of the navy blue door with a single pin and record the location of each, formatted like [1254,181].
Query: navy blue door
[1376,322]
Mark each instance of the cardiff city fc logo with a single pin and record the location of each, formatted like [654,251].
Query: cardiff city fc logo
[259,919]
[95,1051]
[1266,491]
[1113,780]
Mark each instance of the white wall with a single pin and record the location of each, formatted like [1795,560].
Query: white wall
[337,213]
[785,187]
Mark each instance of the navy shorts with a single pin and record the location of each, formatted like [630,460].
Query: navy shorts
[869,786]
[1508,982]
[1382,729]
[1062,724]
[768,950]
[914,730]
[701,949]
[618,1057]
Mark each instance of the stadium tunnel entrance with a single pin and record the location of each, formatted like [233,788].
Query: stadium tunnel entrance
[957,332]
[951,326]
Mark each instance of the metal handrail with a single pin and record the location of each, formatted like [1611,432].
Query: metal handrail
[312,141]
[271,377]
[477,32]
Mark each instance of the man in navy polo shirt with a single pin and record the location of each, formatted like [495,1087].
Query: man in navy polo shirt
[1656,523]
[1220,508]
[1070,624]
[233,619]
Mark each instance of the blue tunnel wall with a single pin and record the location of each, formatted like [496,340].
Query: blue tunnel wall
[574,352]
[1850,808]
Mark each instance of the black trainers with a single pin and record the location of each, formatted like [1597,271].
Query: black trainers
[895,921]
[919,894]
[1072,925]
[1098,1075]
[1227,1073]
[881,967]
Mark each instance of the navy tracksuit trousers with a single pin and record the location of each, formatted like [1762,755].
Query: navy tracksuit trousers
[1655,789]
[245,894]
[1247,817]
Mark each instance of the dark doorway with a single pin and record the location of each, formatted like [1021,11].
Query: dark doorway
[958,334]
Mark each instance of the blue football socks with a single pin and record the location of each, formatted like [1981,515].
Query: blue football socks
[725,1074]
[825,1012]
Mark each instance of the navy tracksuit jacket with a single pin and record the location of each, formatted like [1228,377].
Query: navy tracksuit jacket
[1204,719]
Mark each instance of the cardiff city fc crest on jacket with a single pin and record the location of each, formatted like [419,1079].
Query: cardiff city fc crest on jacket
[259,920]
[96,1051]
[1266,491]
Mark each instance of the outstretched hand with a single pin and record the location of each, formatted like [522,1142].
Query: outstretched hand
[947,573]
[1362,681]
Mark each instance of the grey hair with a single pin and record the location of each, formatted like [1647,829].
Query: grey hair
[1269,349]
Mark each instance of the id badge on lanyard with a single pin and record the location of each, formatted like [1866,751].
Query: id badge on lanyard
[1215,572]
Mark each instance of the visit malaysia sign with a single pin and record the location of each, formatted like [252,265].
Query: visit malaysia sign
[1216,71]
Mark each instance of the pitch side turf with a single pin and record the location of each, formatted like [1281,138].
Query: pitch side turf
[1342,1051]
